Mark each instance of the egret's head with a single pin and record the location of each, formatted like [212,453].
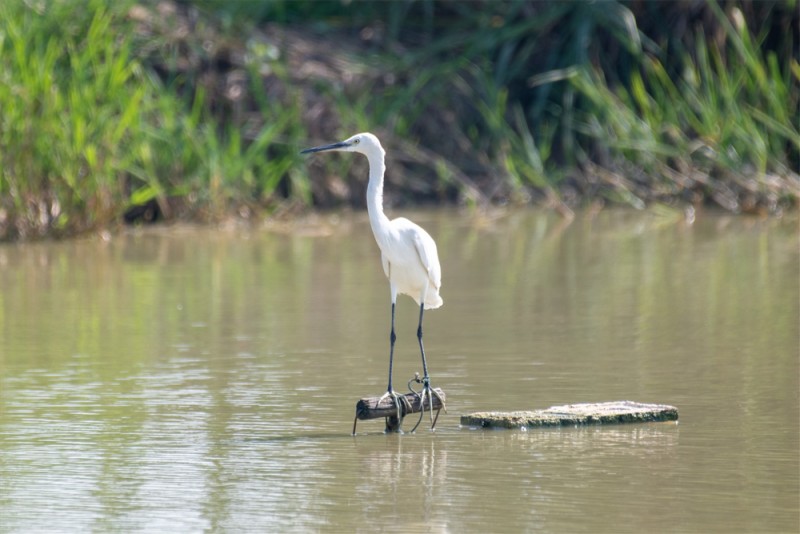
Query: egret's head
[365,143]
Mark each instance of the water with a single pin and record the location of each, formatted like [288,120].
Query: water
[186,379]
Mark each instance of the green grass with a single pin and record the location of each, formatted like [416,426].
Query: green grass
[574,102]
[87,130]
[727,124]
[110,106]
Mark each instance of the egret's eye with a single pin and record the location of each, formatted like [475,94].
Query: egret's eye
[357,141]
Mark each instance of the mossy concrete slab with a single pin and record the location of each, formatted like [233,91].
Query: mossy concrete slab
[600,413]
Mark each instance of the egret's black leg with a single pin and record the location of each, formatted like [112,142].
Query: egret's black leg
[392,339]
[427,390]
[390,392]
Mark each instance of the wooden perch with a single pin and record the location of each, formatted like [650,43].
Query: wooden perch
[575,414]
[370,408]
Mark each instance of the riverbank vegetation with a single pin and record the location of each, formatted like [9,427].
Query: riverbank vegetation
[132,111]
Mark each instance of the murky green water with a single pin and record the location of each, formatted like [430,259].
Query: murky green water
[194,380]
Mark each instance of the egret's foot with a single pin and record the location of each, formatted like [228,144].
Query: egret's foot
[426,394]
[400,403]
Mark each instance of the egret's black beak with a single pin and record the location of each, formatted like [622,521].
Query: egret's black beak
[332,146]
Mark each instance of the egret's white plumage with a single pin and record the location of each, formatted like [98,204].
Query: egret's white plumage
[408,253]
[410,262]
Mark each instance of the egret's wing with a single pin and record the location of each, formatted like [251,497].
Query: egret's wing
[387,270]
[429,256]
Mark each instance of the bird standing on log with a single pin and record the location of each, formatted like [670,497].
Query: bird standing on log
[409,256]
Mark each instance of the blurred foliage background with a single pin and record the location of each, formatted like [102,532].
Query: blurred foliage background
[141,111]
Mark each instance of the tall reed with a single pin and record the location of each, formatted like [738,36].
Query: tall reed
[87,130]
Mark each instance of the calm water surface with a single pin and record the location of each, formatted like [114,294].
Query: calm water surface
[192,380]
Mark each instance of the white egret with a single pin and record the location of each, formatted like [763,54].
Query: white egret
[409,257]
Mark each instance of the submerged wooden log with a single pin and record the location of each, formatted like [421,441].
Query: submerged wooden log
[575,414]
[369,408]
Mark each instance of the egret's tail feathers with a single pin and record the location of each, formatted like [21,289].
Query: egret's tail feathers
[433,301]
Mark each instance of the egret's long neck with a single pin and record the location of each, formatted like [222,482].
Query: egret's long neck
[377,218]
